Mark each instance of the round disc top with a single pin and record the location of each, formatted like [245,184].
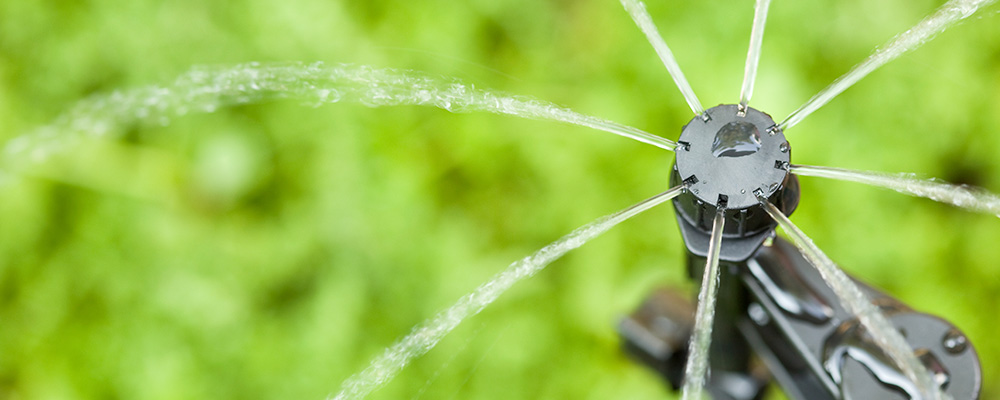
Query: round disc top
[729,156]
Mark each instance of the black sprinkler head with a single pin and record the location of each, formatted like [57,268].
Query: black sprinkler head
[730,157]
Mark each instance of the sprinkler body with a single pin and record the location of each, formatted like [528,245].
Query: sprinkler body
[775,318]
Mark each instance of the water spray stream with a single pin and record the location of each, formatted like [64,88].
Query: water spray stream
[753,54]
[208,89]
[945,16]
[966,197]
[856,302]
[426,335]
[696,370]
[637,10]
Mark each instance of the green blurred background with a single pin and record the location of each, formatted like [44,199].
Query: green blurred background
[270,250]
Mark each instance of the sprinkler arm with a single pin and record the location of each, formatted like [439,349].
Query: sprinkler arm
[777,320]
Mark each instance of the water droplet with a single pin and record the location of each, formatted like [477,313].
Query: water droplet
[788,291]
[853,341]
[736,139]
[758,315]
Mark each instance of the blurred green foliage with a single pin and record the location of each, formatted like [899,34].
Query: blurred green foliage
[270,250]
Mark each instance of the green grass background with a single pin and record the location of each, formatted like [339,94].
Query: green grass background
[269,251]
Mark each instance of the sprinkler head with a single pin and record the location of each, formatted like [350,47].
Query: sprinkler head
[728,157]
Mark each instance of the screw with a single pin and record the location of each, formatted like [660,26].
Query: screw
[955,342]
